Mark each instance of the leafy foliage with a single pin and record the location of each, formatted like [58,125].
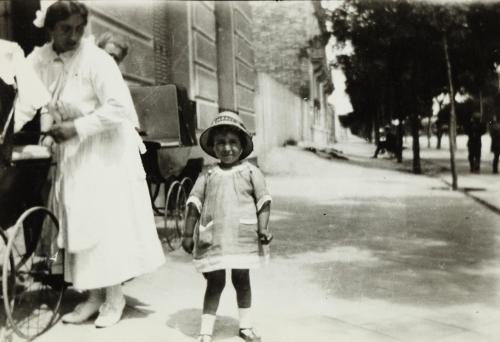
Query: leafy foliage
[399,64]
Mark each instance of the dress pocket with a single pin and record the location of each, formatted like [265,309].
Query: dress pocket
[205,235]
[247,230]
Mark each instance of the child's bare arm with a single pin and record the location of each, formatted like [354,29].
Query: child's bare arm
[192,216]
[263,217]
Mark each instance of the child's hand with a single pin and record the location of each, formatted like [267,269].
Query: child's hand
[265,237]
[188,244]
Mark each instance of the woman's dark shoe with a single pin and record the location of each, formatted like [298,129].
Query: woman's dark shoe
[249,335]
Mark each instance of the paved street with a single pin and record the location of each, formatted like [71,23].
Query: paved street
[361,253]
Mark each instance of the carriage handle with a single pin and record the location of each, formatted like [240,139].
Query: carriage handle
[7,122]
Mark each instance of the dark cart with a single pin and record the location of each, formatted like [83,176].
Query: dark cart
[168,120]
[31,290]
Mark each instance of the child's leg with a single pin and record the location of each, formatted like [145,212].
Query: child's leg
[216,280]
[241,282]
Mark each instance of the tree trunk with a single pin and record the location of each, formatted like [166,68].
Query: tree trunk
[429,132]
[453,121]
[377,126]
[415,125]
[481,108]
[400,132]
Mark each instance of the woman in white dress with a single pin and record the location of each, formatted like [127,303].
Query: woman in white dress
[99,192]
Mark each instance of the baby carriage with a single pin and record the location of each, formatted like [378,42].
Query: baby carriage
[31,290]
[167,118]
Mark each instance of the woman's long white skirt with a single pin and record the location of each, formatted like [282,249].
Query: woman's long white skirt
[102,201]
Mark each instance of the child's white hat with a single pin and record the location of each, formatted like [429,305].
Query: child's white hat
[227,118]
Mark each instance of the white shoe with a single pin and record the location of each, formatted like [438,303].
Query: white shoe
[110,314]
[82,312]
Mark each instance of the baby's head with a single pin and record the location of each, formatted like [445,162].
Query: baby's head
[227,139]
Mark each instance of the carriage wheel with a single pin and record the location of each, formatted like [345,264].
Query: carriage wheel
[32,299]
[11,277]
[172,236]
[180,201]
[187,184]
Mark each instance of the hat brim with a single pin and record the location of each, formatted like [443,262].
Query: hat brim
[247,148]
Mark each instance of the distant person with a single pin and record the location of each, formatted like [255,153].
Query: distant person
[495,142]
[387,142]
[474,130]
[115,46]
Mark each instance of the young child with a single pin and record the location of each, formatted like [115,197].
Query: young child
[228,212]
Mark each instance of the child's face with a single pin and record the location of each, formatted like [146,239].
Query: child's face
[227,147]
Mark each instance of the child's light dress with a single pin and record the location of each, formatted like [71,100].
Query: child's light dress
[228,200]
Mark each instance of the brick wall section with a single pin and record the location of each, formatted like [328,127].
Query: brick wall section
[281,29]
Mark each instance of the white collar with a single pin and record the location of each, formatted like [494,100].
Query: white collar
[238,167]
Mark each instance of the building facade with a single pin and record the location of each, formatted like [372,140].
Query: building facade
[203,46]
[212,49]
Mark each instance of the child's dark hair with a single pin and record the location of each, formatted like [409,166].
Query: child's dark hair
[223,129]
[62,10]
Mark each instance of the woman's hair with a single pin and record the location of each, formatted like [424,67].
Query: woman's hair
[223,129]
[108,37]
[62,10]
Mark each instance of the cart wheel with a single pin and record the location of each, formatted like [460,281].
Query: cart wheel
[11,276]
[32,299]
[180,213]
[172,236]
[187,184]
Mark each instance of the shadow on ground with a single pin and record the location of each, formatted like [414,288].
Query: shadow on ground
[405,250]
[187,321]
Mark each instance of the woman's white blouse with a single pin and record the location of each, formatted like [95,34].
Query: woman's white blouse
[90,89]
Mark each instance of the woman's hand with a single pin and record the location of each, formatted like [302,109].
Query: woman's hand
[63,131]
[47,141]
[188,244]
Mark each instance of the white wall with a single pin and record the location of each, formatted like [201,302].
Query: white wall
[279,114]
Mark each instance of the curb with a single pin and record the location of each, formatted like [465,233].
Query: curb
[478,199]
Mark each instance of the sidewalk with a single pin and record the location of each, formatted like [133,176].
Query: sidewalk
[362,253]
[483,187]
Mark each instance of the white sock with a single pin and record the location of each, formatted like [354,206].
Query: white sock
[114,294]
[245,318]
[207,324]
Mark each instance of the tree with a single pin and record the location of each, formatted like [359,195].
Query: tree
[390,70]
[406,52]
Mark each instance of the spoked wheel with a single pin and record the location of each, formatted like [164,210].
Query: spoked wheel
[171,232]
[11,277]
[32,299]
[187,184]
[180,205]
